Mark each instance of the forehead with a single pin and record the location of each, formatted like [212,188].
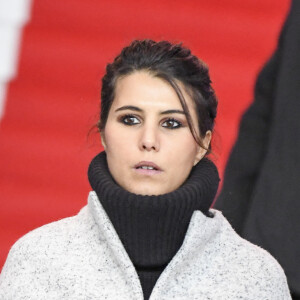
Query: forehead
[142,88]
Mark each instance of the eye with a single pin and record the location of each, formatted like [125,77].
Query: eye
[129,120]
[171,124]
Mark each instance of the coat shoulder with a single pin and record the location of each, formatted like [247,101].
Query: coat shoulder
[39,258]
[60,232]
[251,265]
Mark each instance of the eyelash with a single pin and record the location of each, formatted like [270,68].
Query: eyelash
[124,120]
[179,124]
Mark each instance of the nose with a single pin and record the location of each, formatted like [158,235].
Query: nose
[149,139]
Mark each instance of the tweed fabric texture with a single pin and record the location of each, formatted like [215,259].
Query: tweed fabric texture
[82,258]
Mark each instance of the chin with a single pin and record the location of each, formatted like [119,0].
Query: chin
[147,191]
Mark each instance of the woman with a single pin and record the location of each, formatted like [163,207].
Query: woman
[147,231]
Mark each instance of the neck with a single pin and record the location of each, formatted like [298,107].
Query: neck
[152,228]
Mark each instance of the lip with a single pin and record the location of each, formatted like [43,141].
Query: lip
[155,171]
[148,164]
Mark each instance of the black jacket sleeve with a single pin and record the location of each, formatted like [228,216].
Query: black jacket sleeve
[247,156]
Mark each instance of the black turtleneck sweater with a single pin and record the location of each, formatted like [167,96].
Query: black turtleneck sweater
[152,228]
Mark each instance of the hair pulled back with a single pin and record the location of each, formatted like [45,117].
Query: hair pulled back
[172,63]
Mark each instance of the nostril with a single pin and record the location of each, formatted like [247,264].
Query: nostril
[149,147]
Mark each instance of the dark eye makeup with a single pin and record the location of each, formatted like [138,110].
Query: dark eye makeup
[171,123]
[130,120]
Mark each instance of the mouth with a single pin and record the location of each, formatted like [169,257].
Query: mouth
[147,168]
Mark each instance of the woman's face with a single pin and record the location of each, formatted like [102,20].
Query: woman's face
[150,148]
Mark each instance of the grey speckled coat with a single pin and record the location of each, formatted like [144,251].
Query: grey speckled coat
[82,258]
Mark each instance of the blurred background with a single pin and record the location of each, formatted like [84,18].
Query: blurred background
[52,57]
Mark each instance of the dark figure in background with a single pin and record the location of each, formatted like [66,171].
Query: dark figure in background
[261,192]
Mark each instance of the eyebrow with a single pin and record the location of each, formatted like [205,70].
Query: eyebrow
[173,111]
[135,108]
[130,107]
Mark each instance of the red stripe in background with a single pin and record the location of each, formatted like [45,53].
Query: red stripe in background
[54,101]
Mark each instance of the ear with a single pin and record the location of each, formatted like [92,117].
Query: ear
[103,139]
[202,151]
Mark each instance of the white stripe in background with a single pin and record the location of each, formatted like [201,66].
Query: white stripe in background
[13,16]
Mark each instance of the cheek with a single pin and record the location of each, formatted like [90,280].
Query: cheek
[119,150]
[181,157]
[115,139]
[184,150]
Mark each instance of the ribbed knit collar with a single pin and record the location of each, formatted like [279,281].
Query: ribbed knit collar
[152,228]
